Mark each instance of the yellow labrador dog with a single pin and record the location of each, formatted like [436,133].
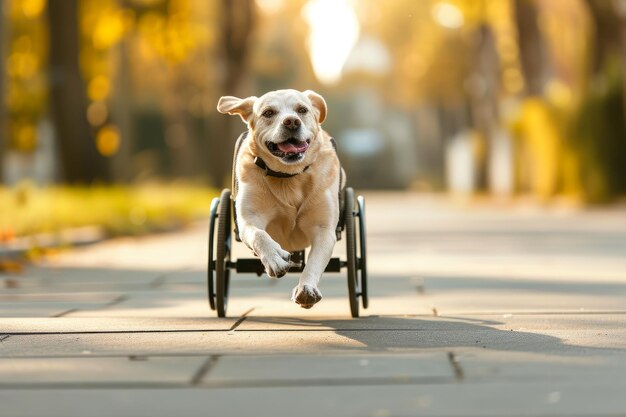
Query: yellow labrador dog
[288,177]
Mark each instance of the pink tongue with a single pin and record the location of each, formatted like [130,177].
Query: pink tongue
[290,147]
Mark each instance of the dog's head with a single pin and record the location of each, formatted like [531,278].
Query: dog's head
[285,124]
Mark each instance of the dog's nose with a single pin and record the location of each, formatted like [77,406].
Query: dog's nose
[291,122]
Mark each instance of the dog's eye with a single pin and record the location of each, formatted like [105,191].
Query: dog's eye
[303,110]
[268,113]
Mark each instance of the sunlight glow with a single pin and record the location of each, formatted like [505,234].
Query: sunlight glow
[448,15]
[270,6]
[334,31]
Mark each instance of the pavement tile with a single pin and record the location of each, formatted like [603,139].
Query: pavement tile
[338,323]
[480,365]
[328,369]
[85,371]
[571,342]
[54,276]
[48,308]
[42,280]
[165,304]
[282,306]
[56,296]
[502,301]
[531,398]
[388,295]
[174,343]
[153,253]
[69,324]
[542,321]
[22,286]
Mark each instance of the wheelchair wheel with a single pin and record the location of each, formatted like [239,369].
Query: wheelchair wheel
[222,258]
[362,261]
[211,263]
[353,290]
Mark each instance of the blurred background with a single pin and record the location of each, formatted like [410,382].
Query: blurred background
[108,106]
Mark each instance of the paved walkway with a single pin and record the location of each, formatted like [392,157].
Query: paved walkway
[477,312]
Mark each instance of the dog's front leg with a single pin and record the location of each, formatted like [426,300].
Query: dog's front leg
[306,292]
[252,233]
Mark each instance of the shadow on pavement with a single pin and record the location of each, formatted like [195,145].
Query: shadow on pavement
[394,334]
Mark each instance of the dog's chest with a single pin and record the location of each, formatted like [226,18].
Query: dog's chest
[291,195]
[288,231]
[291,202]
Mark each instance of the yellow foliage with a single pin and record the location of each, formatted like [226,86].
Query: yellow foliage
[31,8]
[26,138]
[99,88]
[571,168]
[27,209]
[108,140]
[540,148]
[108,30]
[97,113]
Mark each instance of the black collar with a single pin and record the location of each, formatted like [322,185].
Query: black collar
[270,172]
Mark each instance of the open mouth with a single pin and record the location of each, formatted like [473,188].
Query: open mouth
[291,150]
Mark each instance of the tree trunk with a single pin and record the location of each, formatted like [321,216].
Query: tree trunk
[621,13]
[603,113]
[80,160]
[609,21]
[122,112]
[3,107]
[609,24]
[532,48]
[179,135]
[484,98]
[238,18]
[607,27]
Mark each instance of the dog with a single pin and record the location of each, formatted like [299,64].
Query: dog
[288,176]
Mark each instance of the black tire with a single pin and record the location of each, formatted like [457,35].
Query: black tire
[222,258]
[353,290]
[362,261]
[211,260]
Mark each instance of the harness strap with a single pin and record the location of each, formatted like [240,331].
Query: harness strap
[276,174]
[334,143]
[340,223]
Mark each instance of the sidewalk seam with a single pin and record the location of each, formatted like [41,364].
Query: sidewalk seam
[204,369]
[64,313]
[111,303]
[456,366]
[241,320]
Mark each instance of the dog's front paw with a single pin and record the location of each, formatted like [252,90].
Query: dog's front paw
[276,262]
[306,295]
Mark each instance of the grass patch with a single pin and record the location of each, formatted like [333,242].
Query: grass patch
[120,210]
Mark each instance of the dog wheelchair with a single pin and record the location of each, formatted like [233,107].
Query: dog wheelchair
[221,233]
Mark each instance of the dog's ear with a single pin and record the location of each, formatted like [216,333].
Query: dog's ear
[319,103]
[235,105]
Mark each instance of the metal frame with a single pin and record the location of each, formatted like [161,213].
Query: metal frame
[217,299]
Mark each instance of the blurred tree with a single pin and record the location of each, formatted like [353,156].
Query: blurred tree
[533,57]
[237,20]
[79,157]
[123,113]
[104,40]
[599,123]
[608,26]
[280,57]
[609,18]
[483,88]
[538,148]
[3,107]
